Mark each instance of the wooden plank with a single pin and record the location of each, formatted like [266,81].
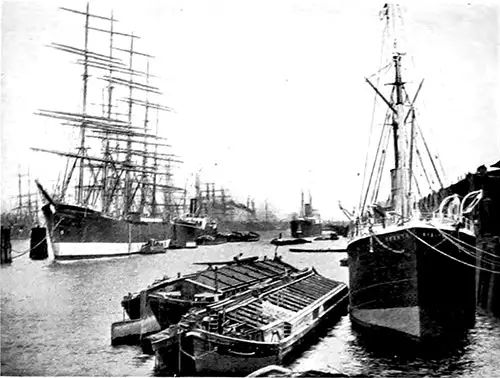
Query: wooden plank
[291,297]
[287,305]
[236,275]
[247,270]
[242,319]
[310,288]
[283,302]
[261,318]
[298,290]
[270,266]
[210,274]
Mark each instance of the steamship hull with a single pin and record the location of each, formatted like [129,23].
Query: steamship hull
[184,234]
[304,228]
[76,232]
[401,287]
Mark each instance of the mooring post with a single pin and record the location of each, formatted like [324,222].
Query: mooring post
[38,243]
[6,254]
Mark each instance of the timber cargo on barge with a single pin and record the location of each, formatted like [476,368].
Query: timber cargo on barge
[249,332]
[164,302]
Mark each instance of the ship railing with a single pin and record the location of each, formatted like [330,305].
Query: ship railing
[370,225]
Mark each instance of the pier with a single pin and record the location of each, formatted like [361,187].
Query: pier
[487,224]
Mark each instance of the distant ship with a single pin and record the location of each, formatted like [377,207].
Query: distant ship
[188,228]
[24,216]
[308,223]
[116,193]
[411,271]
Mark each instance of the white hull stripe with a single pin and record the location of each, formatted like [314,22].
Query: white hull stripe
[94,250]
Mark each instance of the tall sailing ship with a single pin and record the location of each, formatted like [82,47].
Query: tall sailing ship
[116,193]
[411,270]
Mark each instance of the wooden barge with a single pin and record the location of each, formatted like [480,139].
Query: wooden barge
[163,303]
[250,331]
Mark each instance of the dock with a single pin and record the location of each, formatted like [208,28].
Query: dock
[487,219]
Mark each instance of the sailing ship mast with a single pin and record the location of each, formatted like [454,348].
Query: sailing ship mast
[109,177]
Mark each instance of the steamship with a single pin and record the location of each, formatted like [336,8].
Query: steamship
[411,273]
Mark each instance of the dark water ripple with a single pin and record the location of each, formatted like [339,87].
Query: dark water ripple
[56,320]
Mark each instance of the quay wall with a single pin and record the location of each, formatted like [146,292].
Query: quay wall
[486,217]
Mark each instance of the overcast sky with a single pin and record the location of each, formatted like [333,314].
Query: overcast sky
[269,96]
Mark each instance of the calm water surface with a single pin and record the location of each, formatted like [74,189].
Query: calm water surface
[56,319]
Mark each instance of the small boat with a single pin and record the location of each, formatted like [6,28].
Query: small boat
[247,333]
[327,235]
[237,236]
[344,262]
[211,239]
[131,331]
[153,246]
[318,250]
[280,371]
[288,241]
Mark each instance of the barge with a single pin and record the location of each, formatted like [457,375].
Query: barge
[164,302]
[251,331]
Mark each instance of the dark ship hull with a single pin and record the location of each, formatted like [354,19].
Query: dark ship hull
[304,228]
[75,232]
[184,235]
[419,294]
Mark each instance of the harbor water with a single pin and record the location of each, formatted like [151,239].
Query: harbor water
[56,319]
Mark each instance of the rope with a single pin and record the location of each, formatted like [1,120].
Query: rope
[381,284]
[452,239]
[22,254]
[451,257]
[474,247]
[384,245]
[28,250]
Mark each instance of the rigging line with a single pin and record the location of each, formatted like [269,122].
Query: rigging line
[382,70]
[381,168]
[451,257]
[467,244]
[423,168]
[414,177]
[430,155]
[374,164]
[463,249]
[384,32]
